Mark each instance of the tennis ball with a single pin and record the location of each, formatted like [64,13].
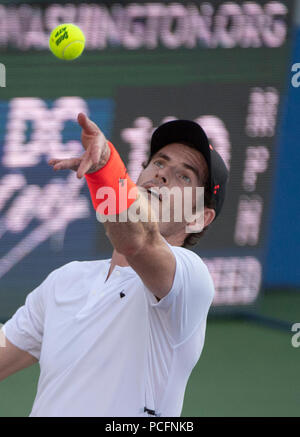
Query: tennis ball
[67,41]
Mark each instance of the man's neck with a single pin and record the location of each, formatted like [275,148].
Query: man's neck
[118,259]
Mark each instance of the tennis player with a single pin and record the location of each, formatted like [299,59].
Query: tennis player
[120,336]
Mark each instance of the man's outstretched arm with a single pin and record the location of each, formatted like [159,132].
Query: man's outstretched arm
[140,242]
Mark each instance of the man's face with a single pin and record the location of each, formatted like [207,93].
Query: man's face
[174,165]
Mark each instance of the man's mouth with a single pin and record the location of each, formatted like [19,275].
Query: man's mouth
[154,193]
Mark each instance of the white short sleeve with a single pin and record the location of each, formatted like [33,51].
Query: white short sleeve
[186,305]
[25,328]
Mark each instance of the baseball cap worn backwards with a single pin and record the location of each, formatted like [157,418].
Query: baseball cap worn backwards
[191,132]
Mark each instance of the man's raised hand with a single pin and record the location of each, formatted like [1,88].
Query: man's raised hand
[97,151]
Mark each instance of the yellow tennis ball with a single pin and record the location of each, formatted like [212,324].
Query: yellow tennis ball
[67,41]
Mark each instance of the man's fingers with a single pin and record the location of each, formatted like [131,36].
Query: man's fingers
[64,164]
[84,166]
[93,142]
[53,161]
[95,154]
[87,125]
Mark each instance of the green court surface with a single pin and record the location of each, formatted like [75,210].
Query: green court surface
[246,369]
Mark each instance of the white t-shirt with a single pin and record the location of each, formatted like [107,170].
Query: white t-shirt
[110,348]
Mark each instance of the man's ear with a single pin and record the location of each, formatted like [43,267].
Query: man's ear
[209,215]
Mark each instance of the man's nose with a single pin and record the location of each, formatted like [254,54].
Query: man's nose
[161,177]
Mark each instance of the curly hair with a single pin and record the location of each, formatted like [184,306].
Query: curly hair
[192,239]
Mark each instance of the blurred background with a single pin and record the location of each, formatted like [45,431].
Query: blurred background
[232,67]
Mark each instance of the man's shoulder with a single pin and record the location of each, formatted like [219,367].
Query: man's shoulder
[78,268]
[193,270]
[72,280]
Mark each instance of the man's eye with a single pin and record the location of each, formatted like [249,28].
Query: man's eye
[158,163]
[187,179]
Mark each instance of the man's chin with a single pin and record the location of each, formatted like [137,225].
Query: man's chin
[167,229]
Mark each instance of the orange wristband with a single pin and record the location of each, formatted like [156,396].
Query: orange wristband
[111,189]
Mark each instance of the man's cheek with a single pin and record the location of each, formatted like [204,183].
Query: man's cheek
[143,177]
[172,210]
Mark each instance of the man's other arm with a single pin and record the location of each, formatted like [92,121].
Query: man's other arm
[12,359]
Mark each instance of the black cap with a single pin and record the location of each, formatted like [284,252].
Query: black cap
[190,132]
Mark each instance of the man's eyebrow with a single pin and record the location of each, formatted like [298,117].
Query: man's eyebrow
[162,155]
[187,166]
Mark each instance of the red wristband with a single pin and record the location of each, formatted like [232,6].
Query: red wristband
[111,189]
